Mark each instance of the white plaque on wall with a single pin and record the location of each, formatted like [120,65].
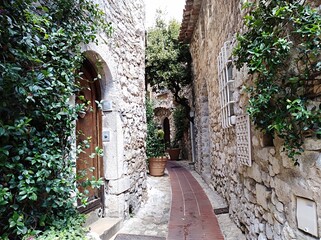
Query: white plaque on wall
[306,214]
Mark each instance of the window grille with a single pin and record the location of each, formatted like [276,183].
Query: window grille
[226,85]
[243,140]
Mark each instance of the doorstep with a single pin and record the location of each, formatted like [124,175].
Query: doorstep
[105,228]
[123,236]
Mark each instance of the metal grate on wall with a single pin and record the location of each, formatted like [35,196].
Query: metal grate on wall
[226,84]
[243,140]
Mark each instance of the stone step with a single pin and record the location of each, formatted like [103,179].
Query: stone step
[122,236]
[105,228]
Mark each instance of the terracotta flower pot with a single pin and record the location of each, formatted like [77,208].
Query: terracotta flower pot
[157,166]
[174,153]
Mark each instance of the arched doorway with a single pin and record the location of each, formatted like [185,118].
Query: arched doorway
[88,130]
[167,132]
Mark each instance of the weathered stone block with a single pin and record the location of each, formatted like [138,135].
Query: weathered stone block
[279,206]
[255,141]
[262,227]
[115,205]
[114,148]
[269,231]
[263,153]
[249,184]
[279,217]
[271,172]
[288,232]
[272,151]
[256,225]
[282,190]
[270,218]
[276,237]
[261,195]
[286,162]
[277,228]
[262,237]
[311,144]
[266,179]
[276,168]
[249,196]
[255,172]
[119,186]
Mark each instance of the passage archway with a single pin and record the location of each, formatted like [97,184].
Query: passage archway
[167,131]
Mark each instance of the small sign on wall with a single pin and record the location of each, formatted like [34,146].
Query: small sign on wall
[107,106]
[106,136]
[306,215]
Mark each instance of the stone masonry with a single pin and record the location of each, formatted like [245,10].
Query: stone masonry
[120,61]
[264,195]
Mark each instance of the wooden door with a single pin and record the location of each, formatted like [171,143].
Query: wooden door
[88,130]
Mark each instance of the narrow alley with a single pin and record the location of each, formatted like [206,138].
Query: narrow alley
[180,206]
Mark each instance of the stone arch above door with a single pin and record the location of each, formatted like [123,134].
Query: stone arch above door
[103,73]
[112,133]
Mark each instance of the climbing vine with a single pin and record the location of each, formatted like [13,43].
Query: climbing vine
[40,56]
[281,49]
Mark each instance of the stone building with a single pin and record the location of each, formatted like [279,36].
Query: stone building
[164,110]
[269,197]
[118,62]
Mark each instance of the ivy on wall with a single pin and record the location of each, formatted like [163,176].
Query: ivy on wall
[281,48]
[39,58]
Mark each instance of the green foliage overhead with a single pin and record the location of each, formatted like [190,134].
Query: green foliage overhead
[168,60]
[155,144]
[281,49]
[39,58]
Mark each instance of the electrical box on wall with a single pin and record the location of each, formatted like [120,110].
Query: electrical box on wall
[107,106]
[306,214]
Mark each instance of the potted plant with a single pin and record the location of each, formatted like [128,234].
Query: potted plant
[181,126]
[174,152]
[155,145]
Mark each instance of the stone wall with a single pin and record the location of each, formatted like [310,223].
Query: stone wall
[262,197]
[120,61]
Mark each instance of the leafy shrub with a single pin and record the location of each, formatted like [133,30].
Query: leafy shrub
[281,48]
[155,145]
[181,124]
[65,229]
[39,58]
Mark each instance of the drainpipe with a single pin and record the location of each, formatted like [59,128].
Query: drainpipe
[191,114]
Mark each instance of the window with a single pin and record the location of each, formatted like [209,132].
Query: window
[226,85]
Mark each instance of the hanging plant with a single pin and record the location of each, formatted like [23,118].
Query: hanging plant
[281,49]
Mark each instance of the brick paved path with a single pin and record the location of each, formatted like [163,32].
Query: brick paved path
[191,216]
